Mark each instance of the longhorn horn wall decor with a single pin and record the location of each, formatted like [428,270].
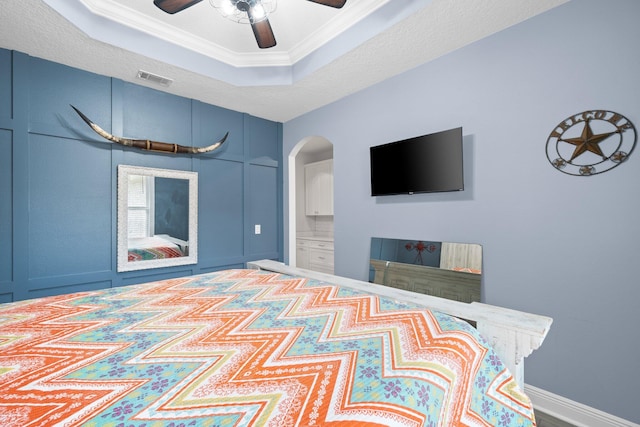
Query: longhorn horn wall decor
[146,144]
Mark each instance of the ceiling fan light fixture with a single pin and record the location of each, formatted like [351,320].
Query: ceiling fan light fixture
[245,11]
[226,8]
[253,12]
[258,12]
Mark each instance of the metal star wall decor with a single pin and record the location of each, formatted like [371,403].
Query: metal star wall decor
[591,142]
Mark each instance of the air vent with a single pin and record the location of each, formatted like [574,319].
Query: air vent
[154,78]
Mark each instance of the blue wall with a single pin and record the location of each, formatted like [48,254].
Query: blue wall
[171,211]
[58,178]
[554,244]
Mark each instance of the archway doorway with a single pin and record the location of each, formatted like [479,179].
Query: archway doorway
[309,150]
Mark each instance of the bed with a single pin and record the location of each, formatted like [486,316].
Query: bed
[268,345]
[160,246]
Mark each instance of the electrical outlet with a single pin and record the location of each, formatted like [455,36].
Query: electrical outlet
[258,229]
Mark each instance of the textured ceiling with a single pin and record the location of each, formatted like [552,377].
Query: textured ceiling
[323,54]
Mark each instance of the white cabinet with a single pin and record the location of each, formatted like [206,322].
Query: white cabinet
[318,178]
[321,257]
[302,254]
[315,254]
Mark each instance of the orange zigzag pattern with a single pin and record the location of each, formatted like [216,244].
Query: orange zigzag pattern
[243,365]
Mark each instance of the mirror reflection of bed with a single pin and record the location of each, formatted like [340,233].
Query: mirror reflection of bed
[157,217]
[159,246]
[442,269]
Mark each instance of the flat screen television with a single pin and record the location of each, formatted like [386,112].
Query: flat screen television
[423,164]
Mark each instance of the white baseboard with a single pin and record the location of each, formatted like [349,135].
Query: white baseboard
[572,412]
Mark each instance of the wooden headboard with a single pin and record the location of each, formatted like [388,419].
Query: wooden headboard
[438,282]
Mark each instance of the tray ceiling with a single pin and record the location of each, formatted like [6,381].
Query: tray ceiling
[322,55]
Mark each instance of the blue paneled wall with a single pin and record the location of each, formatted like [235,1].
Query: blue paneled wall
[58,179]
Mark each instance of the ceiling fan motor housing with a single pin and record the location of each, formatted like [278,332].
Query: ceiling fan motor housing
[243,5]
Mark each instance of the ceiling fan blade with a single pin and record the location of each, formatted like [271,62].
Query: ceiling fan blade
[174,6]
[264,34]
[332,3]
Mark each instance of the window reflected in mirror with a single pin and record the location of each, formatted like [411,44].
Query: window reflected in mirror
[157,218]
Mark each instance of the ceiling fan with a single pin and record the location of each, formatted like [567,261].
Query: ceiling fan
[254,14]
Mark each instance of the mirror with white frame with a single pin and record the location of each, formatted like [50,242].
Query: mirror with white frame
[157,218]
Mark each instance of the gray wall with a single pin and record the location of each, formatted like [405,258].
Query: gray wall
[553,244]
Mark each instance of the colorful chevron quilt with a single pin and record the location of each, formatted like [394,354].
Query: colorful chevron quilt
[153,253]
[154,247]
[246,348]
